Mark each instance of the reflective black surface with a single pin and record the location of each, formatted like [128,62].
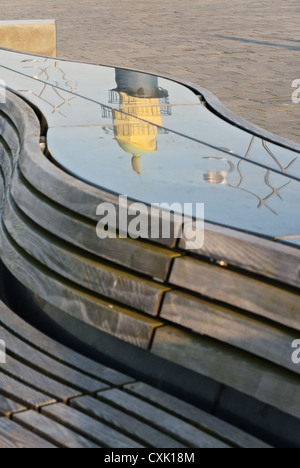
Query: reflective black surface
[154,140]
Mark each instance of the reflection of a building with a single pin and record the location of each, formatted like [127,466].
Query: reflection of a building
[142,104]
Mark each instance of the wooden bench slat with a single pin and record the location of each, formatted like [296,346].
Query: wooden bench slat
[244,292]
[191,414]
[8,406]
[94,430]
[56,433]
[114,284]
[6,165]
[117,321]
[22,393]
[252,253]
[205,318]
[150,260]
[131,426]
[232,367]
[14,436]
[38,380]
[10,136]
[182,431]
[49,366]
[25,331]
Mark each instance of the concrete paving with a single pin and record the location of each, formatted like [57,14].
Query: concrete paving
[246,53]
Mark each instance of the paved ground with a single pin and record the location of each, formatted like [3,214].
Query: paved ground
[246,53]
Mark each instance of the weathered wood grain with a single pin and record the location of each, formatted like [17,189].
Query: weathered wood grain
[94,430]
[52,348]
[252,253]
[2,188]
[135,255]
[165,422]
[228,433]
[8,406]
[55,433]
[88,272]
[235,289]
[14,436]
[22,393]
[48,366]
[9,135]
[129,425]
[22,117]
[38,380]
[121,323]
[6,163]
[244,332]
[250,375]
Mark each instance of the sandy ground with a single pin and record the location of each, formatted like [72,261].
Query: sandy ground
[246,53]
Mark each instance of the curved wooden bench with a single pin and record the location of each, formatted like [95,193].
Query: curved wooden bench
[214,325]
[54,396]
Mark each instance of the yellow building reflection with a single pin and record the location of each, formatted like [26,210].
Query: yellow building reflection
[142,104]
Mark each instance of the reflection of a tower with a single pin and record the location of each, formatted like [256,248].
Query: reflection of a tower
[143,103]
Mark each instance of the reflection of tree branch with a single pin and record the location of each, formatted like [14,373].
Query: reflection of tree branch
[284,169]
[262,201]
[250,147]
[276,191]
[45,71]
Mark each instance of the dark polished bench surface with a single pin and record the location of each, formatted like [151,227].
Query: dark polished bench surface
[155,140]
[206,334]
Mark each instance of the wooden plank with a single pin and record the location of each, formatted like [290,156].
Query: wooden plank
[48,366]
[26,332]
[10,136]
[250,375]
[6,164]
[38,380]
[82,268]
[282,430]
[94,430]
[2,187]
[14,436]
[228,433]
[165,422]
[237,329]
[8,406]
[117,321]
[55,433]
[129,425]
[134,255]
[235,289]
[22,393]
[252,253]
